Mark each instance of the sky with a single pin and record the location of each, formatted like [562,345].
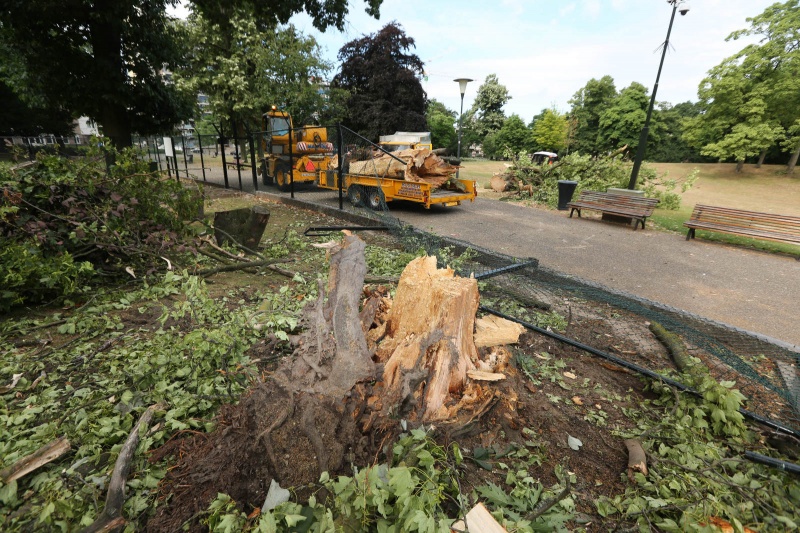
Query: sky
[544,51]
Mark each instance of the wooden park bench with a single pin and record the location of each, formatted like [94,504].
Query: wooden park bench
[780,228]
[623,205]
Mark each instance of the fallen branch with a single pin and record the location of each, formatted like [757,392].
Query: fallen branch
[238,266]
[47,453]
[546,505]
[111,517]
[674,345]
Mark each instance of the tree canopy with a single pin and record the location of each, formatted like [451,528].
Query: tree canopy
[249,67]
[751,101]
[486,115]
[550,131]
[588,104]
[442,125]
[108,60]
[382,76]
[622,119]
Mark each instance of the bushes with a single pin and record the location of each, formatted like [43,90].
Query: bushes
[65,222]
[594,174]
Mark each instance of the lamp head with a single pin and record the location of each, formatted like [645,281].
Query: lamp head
[683,8]
[462,84]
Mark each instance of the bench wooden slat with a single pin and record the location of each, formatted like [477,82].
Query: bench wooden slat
[769,226]
[635,207]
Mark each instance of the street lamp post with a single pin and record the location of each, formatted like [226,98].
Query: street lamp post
[462,85]
[683,7]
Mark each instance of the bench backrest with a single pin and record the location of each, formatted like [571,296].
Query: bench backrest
[740,218]
[620,200]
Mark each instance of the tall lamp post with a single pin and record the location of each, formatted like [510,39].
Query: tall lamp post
[683,7]
[462,86]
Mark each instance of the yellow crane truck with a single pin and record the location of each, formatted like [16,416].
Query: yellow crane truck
[310,161]
[298,159]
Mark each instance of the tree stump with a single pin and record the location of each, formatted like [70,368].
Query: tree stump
[428,344]
[244,226]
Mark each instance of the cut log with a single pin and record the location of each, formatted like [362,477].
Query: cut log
[493,330]
[419,165]
[244,226]
[428,345]
[637,460]
[47,453]
[498,183]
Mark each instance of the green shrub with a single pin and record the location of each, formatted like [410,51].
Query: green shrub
[64,222]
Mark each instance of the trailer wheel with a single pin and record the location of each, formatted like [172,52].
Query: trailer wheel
[355,194]
[282,179]
[375,198]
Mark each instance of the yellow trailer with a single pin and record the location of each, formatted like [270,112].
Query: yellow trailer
[373,191]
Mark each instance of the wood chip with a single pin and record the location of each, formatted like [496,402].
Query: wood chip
[570,375]
[577,400]
[478,520]
[480,375]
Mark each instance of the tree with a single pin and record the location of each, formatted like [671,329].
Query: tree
[752,100]
[441,124]
[383,78]
[107,60]
[251,67]
[513,137]
[587,106]
[622,119]
[550,131]
[486,115]
[668,129]
[735,122]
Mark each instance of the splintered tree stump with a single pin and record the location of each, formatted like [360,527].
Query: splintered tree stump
[244,226]
[428,344]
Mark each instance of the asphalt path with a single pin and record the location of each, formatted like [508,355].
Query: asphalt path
[755,291]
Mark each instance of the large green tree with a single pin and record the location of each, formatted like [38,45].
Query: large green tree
[250,67]
[668,130]
[751,101]
[442,125]
[107,59]
[512,137]
[486,115]
[622,119]
[550,131]
[588,104]
[382,76]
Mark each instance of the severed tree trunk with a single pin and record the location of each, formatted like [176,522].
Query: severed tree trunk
[428,344]
[244,226]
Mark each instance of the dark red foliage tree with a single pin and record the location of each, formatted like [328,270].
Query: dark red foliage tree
[383,78]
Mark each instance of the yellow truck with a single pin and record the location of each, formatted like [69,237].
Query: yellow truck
[308,157]
[299,159]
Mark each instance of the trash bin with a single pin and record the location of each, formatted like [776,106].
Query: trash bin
[566,189]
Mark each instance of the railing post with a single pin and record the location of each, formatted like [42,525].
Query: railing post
[340,148]
[253,161]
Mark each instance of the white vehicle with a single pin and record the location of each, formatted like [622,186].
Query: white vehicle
[540,158]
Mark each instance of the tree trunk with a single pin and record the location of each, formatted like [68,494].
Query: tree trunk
[106,41]
[793,159]
[761,158]
[428,345]
[245,226]
[739,165]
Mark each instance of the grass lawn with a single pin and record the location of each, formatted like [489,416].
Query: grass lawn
[767,189]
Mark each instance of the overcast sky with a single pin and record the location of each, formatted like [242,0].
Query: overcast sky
[543,51]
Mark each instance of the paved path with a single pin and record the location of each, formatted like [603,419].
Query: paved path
[752,290]
[755,291]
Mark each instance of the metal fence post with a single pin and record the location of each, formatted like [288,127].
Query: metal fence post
[340,148]
[291,164]
[224,164]
[185,161]
[202,163]
[253,161]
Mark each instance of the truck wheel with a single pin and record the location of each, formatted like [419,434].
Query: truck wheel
[355,194]
[282,180]
[375,198]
